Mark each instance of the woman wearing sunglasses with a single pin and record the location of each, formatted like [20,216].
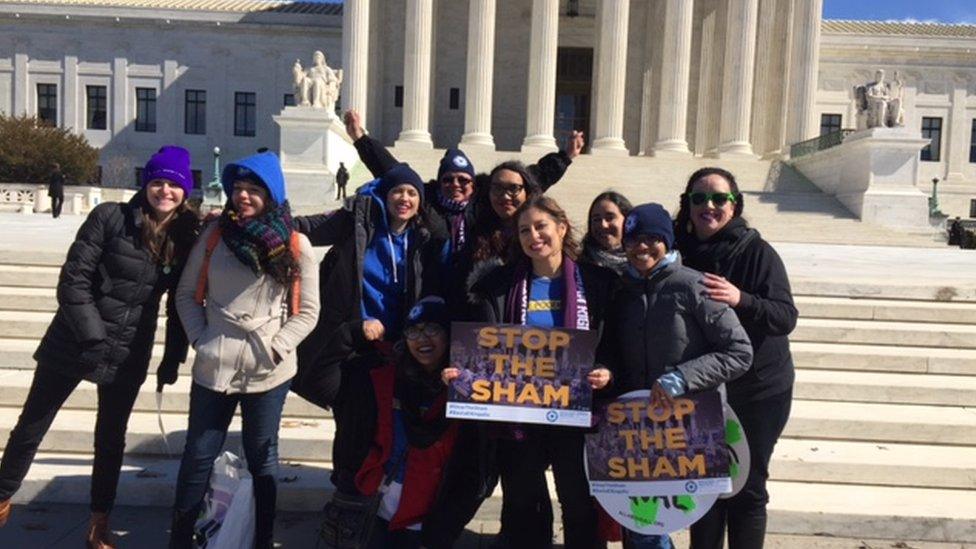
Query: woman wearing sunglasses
[743,271]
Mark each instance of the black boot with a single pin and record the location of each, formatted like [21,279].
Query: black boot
[181,530]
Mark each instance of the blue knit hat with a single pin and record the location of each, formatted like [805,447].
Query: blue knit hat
[264,168]
[455,160]
[650,219]
[172,164]
[398,175]
[431,309]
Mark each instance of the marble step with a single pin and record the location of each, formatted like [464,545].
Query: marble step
[915,334]
[33,325]
[873,463]
[303,439]
[875,422]
[29,276]
[885,310]
[883,358]
[795,508]
[851,386]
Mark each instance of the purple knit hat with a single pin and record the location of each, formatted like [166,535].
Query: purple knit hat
[171,163]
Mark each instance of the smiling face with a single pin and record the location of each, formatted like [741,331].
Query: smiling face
[709,218]
[163,196]
[607,225]
[456,186]
[644,252]
[507,193]
[540,234]
[402,202]
[427,343]
[250,198]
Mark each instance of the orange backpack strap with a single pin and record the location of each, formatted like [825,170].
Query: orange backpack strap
[200,295]
[295,299]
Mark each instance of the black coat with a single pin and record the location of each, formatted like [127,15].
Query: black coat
[766,308]
[108,300]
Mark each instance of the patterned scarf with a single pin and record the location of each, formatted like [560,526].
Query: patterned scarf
[455,215]
[575,313]
[259,241]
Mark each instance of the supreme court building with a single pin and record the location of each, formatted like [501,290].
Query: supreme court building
[720,78]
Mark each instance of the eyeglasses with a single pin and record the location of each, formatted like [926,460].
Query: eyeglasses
[719,199]
[461,180]
[645,239]
[511,190]
[429,329]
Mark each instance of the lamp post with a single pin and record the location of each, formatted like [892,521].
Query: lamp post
[934,199]
[213,195]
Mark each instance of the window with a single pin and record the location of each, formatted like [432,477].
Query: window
[96,107]
[138,178]
[932,129]
[195,114]
[972,142]
[455,101]
[197,178]
[830,123]
[245,107]
[398,96]
[145,109]
[47,104]
[289,100]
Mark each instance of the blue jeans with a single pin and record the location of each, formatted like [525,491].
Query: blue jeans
[633,540]
[210,416]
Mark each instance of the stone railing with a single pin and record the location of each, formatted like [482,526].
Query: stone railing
[18,198]
[32,198]
[819,143]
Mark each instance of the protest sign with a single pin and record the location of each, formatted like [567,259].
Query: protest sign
[643,450]
[738,447]
[521,373]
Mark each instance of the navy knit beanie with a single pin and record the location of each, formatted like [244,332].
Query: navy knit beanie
[455,160]
[398,175]
[650,220]
[431,309]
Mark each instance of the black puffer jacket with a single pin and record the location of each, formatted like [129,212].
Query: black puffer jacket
[108,300]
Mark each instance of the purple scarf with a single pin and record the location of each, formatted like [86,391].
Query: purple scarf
[456,218]
[575,313]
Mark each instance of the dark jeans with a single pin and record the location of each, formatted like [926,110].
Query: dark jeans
[210,416]
[745,513]
[57,201]
[48,391]
[633,540]
[383,538]
[522,466]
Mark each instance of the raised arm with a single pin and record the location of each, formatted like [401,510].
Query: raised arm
[374,155]
[550,168]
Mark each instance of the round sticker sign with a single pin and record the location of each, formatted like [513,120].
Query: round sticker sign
[738,447]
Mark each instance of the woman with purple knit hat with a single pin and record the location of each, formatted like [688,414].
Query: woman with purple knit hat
[124,258]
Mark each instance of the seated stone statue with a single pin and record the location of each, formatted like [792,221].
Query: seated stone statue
[879,104]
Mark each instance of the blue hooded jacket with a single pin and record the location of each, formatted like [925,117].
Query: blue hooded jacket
[265,166]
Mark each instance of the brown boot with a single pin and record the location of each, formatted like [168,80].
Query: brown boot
[4,512]
[98,532]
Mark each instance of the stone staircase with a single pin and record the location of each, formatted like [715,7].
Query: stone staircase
[881,442]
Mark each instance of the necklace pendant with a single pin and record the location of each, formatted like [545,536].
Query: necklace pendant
[166,269]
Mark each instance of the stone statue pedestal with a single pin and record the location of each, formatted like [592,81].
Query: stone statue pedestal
[312,144]
[873,173]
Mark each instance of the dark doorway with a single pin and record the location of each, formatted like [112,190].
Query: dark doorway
[574,83]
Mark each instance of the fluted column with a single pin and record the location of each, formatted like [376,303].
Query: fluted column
[737,80]
[673,103]
[481,63]
[541,108]
[804,69]
[613,18]
[355,56]
[416,74]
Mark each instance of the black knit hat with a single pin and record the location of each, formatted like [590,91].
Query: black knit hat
[455,160]
[650,219]
[431,309]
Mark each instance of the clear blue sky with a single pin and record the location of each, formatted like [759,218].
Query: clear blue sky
[940,11]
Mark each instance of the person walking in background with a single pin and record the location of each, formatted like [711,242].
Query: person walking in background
[341,178]
[662,333]
[248,296]
[744,272]
[124,258]
[55,189]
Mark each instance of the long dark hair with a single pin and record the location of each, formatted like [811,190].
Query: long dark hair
[168,241]
[415,387]
[543,203]
[682,222]
[615,198]
[489,232]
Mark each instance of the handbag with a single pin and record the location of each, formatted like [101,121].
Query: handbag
[227,519]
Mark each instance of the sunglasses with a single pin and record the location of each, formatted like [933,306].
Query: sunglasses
[461,180]
[645,239]
[414,332]
[719,199]
[511,190]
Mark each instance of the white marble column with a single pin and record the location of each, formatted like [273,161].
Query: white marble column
[481,64]
[737,80]
[956,149]
[119,99]
[21,83]
[804,70]
[416,74]
[673,102]
[613,17]
[355,56]
[70,93]
[541,108]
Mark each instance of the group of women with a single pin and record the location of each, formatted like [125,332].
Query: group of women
[366,333]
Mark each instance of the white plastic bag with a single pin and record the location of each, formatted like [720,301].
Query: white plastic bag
[227,519]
